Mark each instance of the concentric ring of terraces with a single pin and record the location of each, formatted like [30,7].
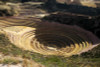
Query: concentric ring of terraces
[48,38]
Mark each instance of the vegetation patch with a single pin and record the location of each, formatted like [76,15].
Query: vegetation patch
[9,61]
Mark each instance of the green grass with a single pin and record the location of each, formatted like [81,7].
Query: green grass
[8,48]
[10,61]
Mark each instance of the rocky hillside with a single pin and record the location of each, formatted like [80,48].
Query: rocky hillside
[87,22]
[78,9]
